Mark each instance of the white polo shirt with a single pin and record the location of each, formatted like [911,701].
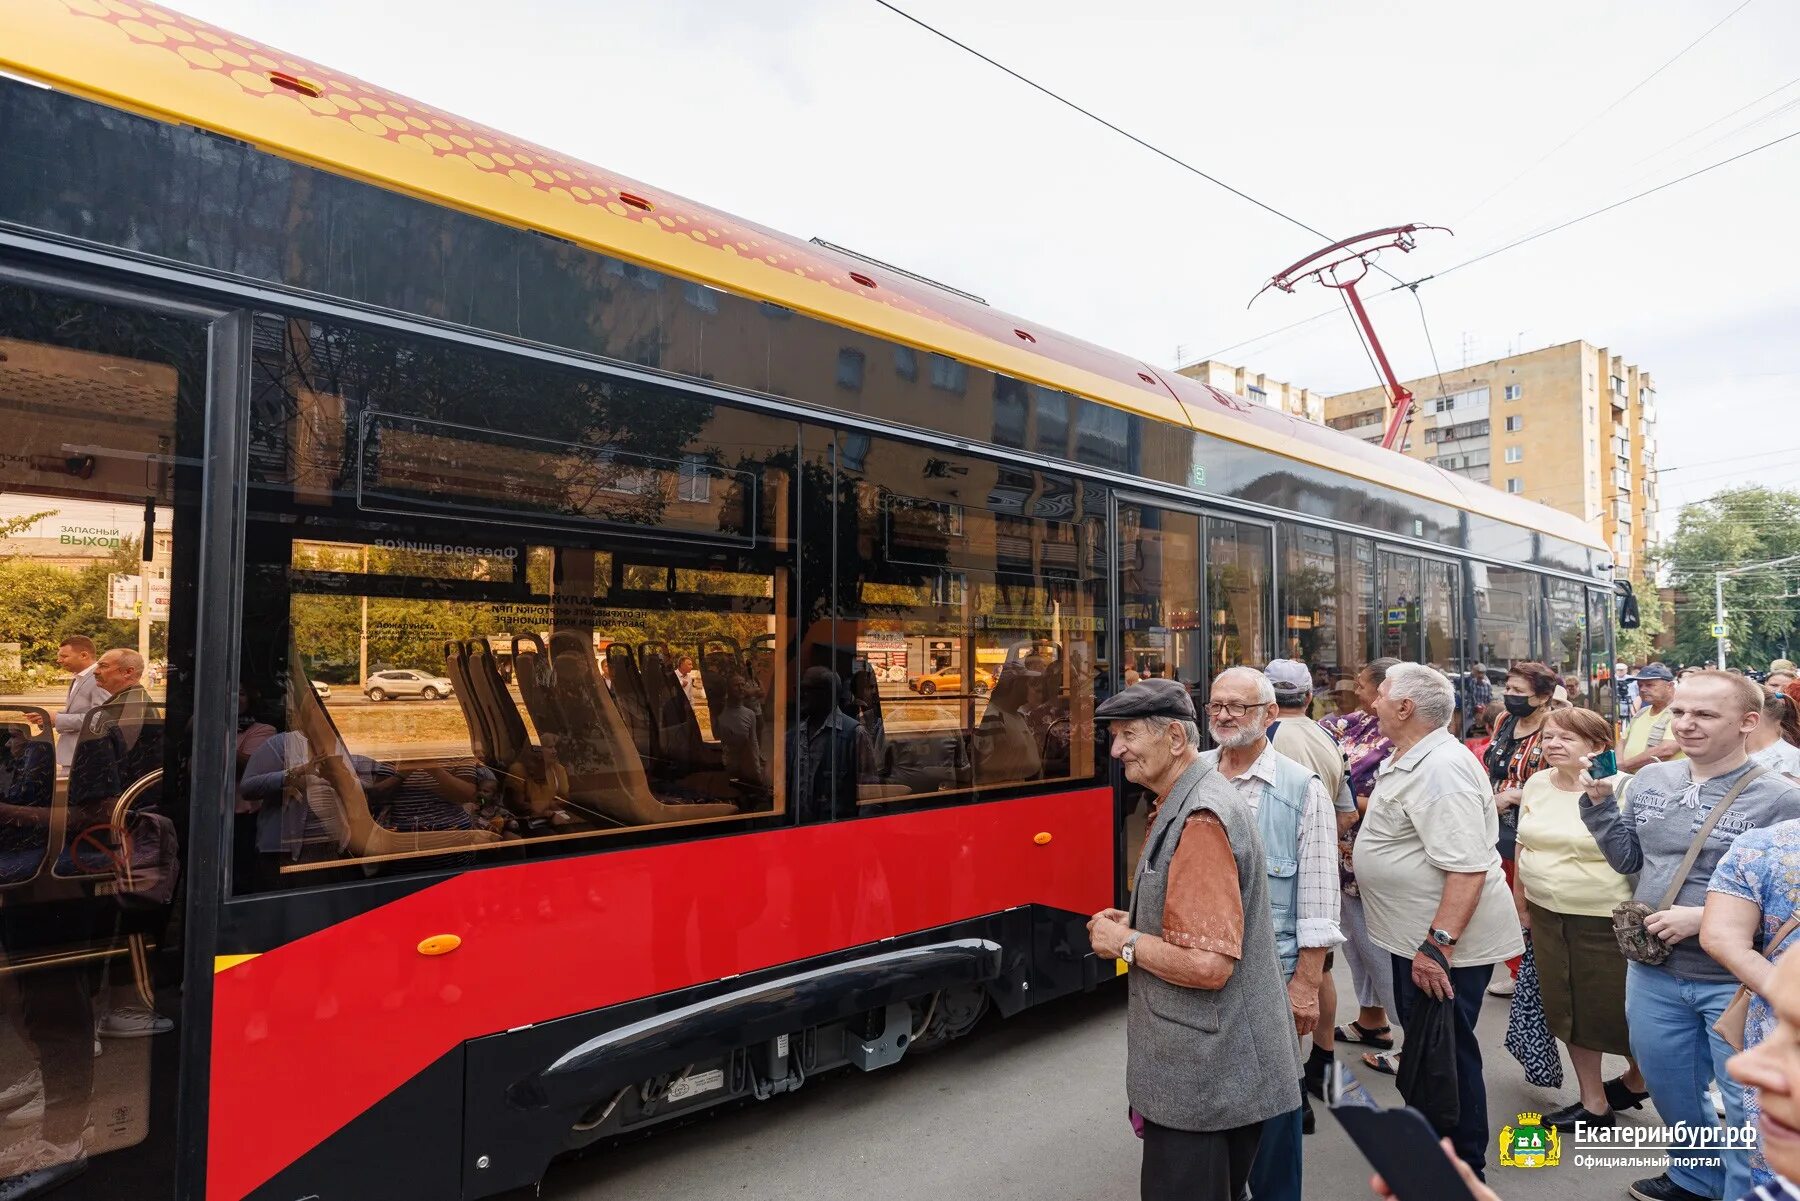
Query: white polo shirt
[1432,812]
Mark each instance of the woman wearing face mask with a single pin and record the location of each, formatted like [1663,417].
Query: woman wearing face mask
[1513,757]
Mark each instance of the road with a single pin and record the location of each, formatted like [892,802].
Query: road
[1027,1110]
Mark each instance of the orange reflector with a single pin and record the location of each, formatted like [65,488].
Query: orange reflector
[1042,838]
[440,944]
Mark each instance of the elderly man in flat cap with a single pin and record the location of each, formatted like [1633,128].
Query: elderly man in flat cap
[1211,1052]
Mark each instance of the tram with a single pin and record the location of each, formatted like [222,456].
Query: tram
[547,570]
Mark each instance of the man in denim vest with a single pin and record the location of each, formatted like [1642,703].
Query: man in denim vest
[1299,835]
[1210,1050]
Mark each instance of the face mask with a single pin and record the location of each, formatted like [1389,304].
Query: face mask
[1518,706]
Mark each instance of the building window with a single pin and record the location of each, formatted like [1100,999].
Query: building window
[850,369]
[906,362]
[1514,454]
[695,480]
[948,375]
[1258,395]
[855,453]
[1443,404]
[1618,386]
[1514,391]
[1515,485]
[1515,423]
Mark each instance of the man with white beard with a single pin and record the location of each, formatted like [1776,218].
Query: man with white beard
[1299,835]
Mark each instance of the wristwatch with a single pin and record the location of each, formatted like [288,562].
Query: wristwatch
[1128,952]
[1442,938]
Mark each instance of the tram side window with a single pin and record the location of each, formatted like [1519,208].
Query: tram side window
[969,623]
[1603,693]
[1565,608]
[495,609]
[1327,586]
[1506,600]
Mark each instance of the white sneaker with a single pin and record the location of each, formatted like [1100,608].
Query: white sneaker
[1503,987]
[38,1155]
[1717,1098]
[28,1114]
[30,1085]
[133,1023]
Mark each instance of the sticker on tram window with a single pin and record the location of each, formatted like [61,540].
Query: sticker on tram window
[693,1086]
[415,465]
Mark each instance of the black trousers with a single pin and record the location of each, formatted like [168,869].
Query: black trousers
[1197,1165]
[1470,1138]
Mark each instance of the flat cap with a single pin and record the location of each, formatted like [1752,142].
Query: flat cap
[1149,698]
[1654,671]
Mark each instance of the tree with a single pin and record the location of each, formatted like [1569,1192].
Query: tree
[1737,528]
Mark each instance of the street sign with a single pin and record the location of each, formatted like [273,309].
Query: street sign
[1718,629]
[122,598]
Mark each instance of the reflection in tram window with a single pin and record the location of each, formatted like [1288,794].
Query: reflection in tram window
[1565,610]
[1327,585]
[1159,596]
[969,625]
[499,608]
[1238,584]
[102,410]
[1506,603]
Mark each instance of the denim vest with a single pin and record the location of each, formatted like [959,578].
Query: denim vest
[1278,820]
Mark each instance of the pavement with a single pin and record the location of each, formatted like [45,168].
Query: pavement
[1031,1108]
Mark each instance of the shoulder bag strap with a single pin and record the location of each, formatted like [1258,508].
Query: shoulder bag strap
[1780,936]
[1754,773]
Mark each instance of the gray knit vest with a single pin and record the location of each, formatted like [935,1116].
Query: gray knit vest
[1199,1059]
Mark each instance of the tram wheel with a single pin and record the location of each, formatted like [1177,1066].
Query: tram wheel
[956,1012]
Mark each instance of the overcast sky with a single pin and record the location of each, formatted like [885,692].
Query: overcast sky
[839,119]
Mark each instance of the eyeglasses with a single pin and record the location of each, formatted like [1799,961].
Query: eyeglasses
[1228,709]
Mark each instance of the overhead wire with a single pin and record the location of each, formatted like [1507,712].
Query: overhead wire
[1597,117]
[1091,115]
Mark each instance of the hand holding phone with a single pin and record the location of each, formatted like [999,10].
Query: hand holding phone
[1399,1144]
[1603,765]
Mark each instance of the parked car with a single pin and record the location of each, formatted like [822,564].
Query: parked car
[323,689]
[383,684]
[949,680]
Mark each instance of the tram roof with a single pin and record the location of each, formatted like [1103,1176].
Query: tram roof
[156,61]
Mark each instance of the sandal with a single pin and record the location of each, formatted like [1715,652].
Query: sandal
[1381,1038]
[1387,1065]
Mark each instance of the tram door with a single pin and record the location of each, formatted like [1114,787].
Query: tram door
[1195,597]
[99,536]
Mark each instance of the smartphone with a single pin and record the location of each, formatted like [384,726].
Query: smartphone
[1398,1143]
[1604,765]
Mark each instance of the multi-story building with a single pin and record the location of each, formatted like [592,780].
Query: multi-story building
[1289,398]
[1573,426]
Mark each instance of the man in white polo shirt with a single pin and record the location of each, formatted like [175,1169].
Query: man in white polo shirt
[1430,878]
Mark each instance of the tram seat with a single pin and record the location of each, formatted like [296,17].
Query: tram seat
[678,736]
[29,781]
[507,738]
[720,662]
[456,667]
[628,692]
[567,699]
[363,835]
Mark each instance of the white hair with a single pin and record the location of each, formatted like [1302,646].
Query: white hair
[1431,694]
[1190,730]
[1265,691]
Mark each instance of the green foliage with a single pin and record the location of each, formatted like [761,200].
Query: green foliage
[1738,527]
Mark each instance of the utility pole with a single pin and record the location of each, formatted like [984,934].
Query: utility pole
[1719,598]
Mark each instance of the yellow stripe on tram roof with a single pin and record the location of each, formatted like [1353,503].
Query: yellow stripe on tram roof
[158,62]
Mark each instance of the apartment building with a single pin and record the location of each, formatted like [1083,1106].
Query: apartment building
[1572,426]
[1289,398]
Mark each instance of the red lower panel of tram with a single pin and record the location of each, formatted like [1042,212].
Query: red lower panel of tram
[310,1034]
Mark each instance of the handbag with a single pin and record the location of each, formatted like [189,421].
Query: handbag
[1528,1035]
[1636,942]
[1730,1025]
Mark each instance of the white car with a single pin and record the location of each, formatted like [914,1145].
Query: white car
[384,684]
[322,689]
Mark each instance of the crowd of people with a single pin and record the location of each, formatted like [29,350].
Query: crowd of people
[1646,878]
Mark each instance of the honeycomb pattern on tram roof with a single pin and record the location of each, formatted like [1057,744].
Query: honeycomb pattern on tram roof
[406,122]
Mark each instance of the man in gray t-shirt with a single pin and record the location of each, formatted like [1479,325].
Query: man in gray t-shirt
[1672,1006]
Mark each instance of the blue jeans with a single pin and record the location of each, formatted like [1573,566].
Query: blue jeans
[1673,1041]
[1275,1176]
[1470,1138]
